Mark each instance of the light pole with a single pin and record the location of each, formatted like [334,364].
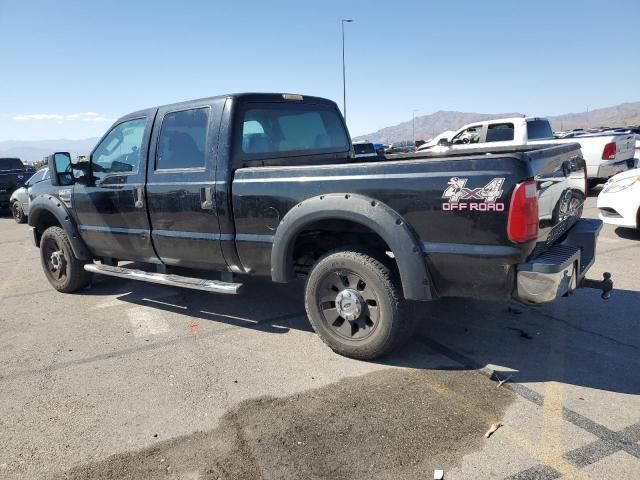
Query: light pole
[344,78]
[588,122]
[413,125]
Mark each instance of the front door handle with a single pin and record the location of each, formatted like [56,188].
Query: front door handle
[138,197]
[206,198]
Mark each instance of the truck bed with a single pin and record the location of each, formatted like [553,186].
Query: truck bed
[415,185]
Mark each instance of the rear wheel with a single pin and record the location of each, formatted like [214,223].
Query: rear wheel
[18,213]
[354,305]
[64,271]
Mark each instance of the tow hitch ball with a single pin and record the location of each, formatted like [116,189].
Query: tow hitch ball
[606,285]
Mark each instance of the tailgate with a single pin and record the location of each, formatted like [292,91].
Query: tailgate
[559,172]
[625,146]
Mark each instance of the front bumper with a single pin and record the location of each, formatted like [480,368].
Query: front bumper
[620,208]
[562,268]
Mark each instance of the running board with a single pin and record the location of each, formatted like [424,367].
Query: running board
[212,286]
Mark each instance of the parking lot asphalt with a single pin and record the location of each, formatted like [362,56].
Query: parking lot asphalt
[132,380]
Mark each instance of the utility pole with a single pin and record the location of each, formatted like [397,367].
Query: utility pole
[588,122]
[413,122]
[344,77]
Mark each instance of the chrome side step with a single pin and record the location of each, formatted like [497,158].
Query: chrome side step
[212,286]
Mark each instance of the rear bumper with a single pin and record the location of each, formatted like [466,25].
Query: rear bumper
[561,269]
[609,169]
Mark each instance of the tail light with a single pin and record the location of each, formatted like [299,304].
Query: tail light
[522,225]
[609,151]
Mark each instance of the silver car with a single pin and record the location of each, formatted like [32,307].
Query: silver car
[20,200]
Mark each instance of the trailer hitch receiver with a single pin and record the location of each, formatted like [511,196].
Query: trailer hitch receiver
[606,285]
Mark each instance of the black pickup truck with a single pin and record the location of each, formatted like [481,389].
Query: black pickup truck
[13,174]
[268,184]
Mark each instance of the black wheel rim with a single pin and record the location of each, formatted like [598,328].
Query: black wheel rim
[337,293]
[55,260]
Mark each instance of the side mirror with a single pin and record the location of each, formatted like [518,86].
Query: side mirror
[60,169]
[444,142]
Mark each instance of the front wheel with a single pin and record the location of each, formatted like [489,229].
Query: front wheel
[18,213]
[64,271]
[354,305]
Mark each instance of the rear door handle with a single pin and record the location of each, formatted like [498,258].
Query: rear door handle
[138,197]
[206,198]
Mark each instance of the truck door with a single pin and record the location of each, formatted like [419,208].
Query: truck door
[181,186]
[109,202]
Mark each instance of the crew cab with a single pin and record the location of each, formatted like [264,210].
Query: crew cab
[605,154]
[268,184]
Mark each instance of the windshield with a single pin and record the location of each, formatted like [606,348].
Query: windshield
[539,129]
[11,164]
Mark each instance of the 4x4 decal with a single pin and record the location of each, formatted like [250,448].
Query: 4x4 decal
[461,197]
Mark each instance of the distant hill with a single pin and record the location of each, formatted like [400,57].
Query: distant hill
[428,126]
[32,151]
[623,115]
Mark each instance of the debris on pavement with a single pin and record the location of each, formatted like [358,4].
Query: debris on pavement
[438,474]
[503,380]
[492,429]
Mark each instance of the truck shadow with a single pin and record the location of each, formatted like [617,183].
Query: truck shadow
[581,340]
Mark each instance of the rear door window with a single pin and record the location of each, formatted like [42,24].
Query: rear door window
[275,129]
[500,132]
[538,130]
[183,139]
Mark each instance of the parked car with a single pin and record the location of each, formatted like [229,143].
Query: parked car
[365,150]
[268,184]
[13,173]
[21,198]
[619,200]
[605,154]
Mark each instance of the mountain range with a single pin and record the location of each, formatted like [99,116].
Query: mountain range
[428,126]
[33,151]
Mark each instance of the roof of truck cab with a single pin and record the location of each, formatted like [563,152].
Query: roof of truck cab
[244,97]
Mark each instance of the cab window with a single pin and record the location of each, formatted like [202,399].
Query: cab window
[183,138]
[469,135]
[119,151]
[276,129]
[500,132]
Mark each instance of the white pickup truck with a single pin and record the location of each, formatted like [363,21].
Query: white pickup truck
[605,155]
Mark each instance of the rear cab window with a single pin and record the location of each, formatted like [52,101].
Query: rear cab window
[539,129]
[269,130]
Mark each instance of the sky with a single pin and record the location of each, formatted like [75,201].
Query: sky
[69,68]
